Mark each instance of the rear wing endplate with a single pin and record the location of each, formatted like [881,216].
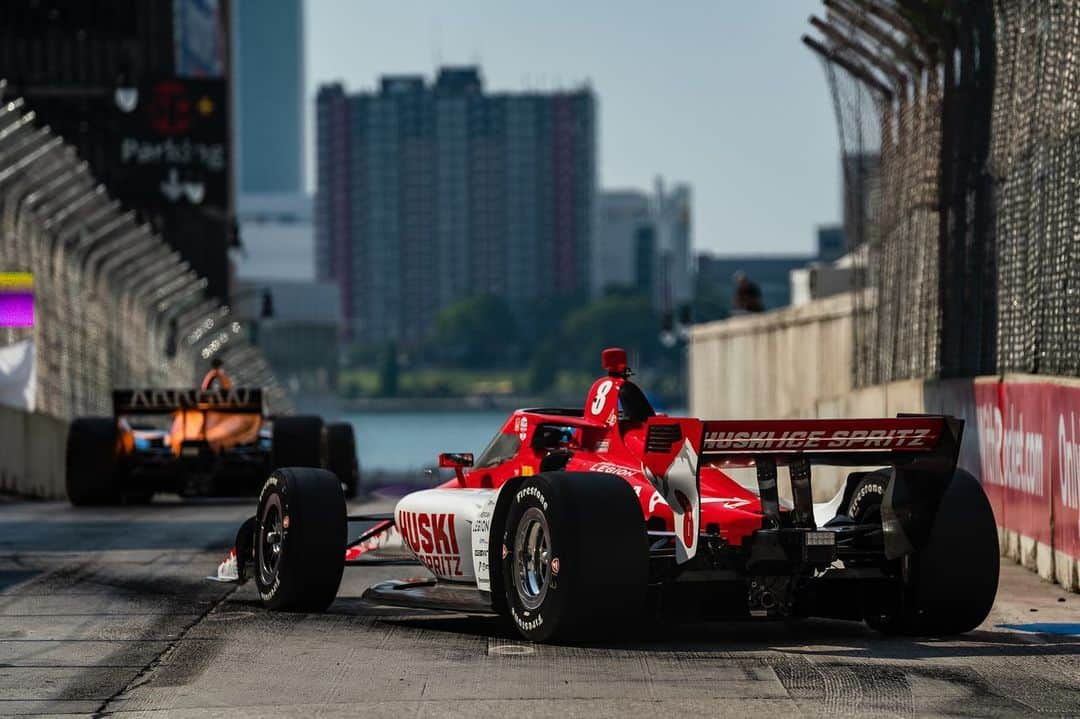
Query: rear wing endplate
[165,401]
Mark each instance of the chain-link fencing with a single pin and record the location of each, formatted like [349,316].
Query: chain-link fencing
[959,129]
[114,305]
[1035,164]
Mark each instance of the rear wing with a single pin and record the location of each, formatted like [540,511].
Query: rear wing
[242,400]
[890,441]
[675,450]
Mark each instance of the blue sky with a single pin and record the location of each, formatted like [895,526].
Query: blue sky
[717,93]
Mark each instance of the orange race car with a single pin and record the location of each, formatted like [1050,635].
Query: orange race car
[210,441]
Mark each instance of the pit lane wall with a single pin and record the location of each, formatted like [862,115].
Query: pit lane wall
[1021,438]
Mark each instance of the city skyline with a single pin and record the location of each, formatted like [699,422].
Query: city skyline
[678,104]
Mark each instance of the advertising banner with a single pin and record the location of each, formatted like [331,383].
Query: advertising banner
[199,44]
[1022,440]
[1024,449]
[171,138]
[16,299]
[988,429]
[1062,434]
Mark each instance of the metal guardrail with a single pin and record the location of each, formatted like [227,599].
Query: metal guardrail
[114,304]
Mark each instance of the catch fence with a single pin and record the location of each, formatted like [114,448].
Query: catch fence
[960,129]
[114,305]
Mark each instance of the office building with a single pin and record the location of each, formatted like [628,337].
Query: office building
[831,243]
[771,273]
[622,242]
[277,238]
[783,279]
[429,192]
[288,321]
[268,75]
[673,284]
[644,243]
[140,88]
[273,209]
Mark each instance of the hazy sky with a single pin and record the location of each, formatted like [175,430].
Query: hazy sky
[717,93]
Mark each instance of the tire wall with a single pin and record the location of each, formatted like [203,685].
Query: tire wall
[32,454]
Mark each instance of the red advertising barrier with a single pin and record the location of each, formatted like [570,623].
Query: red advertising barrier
[1063,418]
[1022,439]
[1024,445]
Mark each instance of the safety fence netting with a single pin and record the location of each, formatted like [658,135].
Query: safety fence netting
[114,305]
[959,131]
[1035,164]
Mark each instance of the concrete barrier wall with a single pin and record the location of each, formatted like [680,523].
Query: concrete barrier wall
[776,364]
[32,454]
[1021,437]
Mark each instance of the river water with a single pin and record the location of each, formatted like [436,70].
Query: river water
[412,441]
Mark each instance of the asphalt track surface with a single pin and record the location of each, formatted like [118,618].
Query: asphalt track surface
[105,612]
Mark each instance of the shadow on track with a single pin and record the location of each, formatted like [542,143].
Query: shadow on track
[848,641]
[200,524]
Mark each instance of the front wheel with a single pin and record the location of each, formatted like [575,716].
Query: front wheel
[575,556]
[299,540]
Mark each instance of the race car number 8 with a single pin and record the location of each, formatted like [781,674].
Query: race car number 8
[601,396]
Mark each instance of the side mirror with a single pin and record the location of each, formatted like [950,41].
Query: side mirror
[458,461]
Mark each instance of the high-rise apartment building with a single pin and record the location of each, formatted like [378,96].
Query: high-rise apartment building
[431,192]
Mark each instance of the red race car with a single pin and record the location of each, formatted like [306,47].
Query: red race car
[577,522]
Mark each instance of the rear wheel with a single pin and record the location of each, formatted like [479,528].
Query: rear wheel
[947,586]
[299,539]
[341,457]
[91,461]
[866,500]
[297,442]
[575,556]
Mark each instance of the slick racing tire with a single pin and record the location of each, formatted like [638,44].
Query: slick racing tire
[575,557]
[947,586]
[299,540]
[341,457]
[91,462]
[865,504]
[297,442]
